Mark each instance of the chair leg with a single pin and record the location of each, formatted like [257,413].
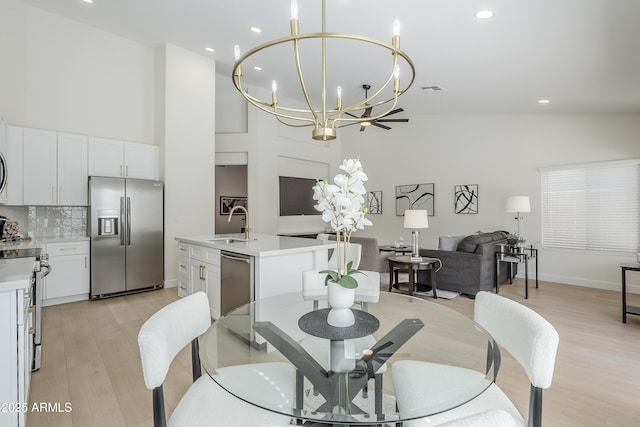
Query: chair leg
[195,359]
[535,407]
[159,417]
[378,396]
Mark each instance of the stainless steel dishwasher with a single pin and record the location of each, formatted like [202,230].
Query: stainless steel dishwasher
[236,280]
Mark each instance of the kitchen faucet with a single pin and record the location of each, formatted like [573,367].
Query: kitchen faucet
[246,220]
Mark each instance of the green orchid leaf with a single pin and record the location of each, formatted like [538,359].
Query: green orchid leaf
[348,282]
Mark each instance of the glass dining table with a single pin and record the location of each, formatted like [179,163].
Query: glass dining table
[343,376]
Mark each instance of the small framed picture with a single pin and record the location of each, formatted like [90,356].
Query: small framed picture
[415,196]
[374,202]
[466,199]
[227,203]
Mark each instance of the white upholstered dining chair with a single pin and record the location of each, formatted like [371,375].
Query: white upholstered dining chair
[491,418]
[526,335]
[205,403]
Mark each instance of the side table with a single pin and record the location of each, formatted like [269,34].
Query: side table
[404,262]
[514,254]
[396,249]
[627,309]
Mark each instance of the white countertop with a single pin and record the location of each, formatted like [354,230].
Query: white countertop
[38,243]
[15,273]
[261,245]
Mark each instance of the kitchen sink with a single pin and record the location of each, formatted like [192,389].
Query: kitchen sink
[230,240]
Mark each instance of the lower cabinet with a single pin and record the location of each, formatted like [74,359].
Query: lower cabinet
[69,277]
[15,357]
[200,271]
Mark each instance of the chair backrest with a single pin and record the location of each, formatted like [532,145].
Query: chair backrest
[354,253]
[531,339]
[168,331]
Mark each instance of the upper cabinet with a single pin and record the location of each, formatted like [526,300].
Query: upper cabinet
[55,168]
[108,157]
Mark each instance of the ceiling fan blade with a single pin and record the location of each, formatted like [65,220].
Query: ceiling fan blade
[393,120]
[397,110]
[362,128]
[349,124]
[381,126]
[351,115]
[367,112]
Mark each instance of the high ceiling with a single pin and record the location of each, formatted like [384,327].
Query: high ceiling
[582,55]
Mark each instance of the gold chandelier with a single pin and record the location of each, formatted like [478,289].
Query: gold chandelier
[324,120]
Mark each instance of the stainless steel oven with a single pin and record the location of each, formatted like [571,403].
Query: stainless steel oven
[40,270]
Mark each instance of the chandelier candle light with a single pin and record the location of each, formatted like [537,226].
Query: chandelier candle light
[324,120]
[416,218]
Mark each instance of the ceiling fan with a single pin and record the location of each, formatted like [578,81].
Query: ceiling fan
[364,123]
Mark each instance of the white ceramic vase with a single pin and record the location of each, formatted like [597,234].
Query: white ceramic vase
[340,300]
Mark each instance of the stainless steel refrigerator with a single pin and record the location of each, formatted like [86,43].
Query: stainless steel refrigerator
[126,230]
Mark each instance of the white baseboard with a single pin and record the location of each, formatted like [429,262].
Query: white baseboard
[172,283]
[596,284]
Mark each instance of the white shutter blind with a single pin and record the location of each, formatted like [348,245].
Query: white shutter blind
[594,207]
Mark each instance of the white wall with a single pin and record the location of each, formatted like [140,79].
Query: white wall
[189,141]
[61,75]
[502,154]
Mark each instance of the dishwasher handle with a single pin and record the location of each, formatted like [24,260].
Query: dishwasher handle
[235,258]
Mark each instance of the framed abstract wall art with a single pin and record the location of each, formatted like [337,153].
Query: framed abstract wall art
[227,203]
[415,196]
[466,199]
[374,202]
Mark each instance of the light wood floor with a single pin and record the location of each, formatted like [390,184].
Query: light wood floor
[91,360]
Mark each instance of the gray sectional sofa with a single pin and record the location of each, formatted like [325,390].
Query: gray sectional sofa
[471,267]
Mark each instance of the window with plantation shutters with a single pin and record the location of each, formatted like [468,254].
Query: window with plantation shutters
[594,206]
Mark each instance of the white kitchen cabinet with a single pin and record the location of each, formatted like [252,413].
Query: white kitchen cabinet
[72,170]
[184,273]
[40,148]
[141,161]
[16,356]
[109,157]
[69,277]
[203,273]
[55,168]
[106,157]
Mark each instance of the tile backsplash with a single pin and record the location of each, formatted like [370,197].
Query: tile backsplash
[50,222]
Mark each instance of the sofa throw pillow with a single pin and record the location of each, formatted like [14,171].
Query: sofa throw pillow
[449,243]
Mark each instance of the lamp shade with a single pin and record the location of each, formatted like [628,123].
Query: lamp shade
[416,218]
[518,204]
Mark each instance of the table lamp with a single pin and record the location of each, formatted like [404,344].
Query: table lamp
[518,204]
[416,219]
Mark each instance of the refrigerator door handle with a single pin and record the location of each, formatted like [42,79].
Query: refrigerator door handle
[122,225]
[128,221]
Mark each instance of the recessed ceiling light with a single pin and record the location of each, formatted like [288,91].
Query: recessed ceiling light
[484,14]
[208,49]
[257,68]
[543,101]
[88,1]
[256,30]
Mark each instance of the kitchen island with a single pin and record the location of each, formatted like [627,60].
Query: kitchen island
[276,264]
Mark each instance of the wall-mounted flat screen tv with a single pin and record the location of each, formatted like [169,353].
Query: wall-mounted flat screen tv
[296,196]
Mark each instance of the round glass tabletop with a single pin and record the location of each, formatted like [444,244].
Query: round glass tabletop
[260,354]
